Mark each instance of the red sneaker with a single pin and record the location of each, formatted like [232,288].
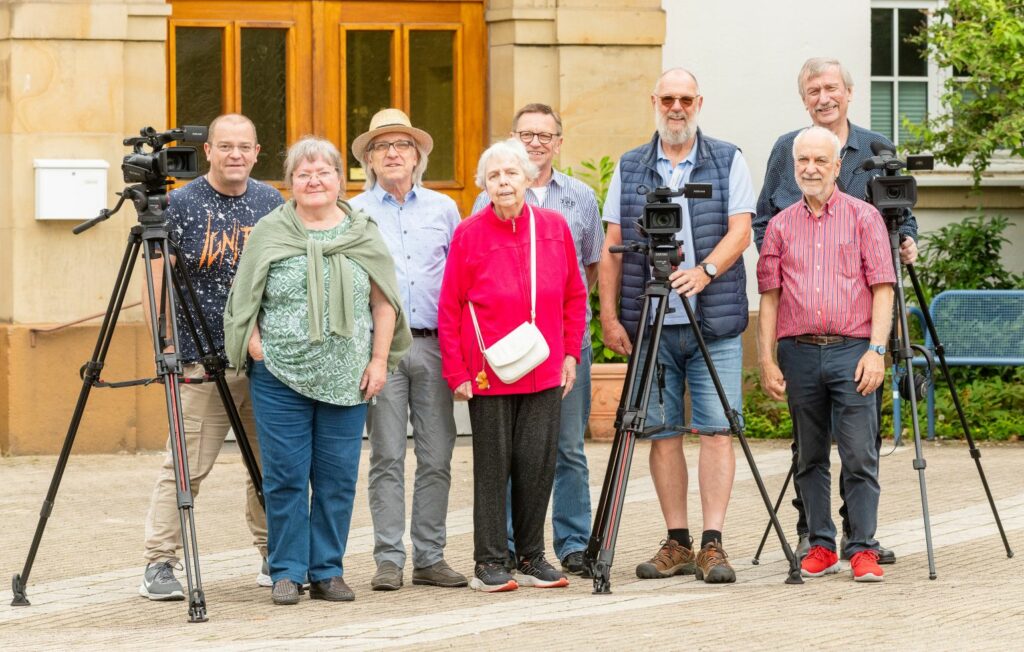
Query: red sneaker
[864,565]
[819,561]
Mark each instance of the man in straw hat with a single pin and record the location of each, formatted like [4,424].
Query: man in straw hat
[417,224]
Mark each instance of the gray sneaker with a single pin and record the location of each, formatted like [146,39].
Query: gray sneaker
[263,577]
[159,583]
[803,545]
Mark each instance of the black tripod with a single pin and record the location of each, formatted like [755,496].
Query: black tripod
[912,387]
[151,237]
[632,415]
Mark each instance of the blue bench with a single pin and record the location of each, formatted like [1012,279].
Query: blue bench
[976,328]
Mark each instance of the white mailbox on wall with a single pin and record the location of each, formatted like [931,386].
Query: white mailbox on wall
[70,189]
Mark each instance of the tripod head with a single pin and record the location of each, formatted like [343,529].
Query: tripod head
[661,220]
[152,171]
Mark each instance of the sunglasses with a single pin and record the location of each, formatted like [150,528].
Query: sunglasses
[668,101]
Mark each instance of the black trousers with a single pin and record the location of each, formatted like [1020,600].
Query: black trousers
[798,502]
[514,437]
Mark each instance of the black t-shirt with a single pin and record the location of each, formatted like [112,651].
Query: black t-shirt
[210,230]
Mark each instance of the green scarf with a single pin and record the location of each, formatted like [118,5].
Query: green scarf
[281,235]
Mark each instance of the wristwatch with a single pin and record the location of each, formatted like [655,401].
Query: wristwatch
[877,348]
[710,269]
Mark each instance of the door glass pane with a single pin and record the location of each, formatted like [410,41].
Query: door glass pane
[432,96]
[881,108]
[367,86]
[264,92]
[881,42]
[198,67]
[913,105]
[913,60]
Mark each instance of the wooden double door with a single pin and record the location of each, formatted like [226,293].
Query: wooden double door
[324,67]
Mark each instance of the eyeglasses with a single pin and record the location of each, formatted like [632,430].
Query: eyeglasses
[243,148]
[304,178]
[668,101]
[543,136]
[382,147]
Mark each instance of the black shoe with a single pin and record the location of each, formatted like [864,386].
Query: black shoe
[286,592]
[334,590]
[573,563]
[492,578]
[885,555]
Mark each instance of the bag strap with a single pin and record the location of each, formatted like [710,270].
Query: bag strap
[533,285]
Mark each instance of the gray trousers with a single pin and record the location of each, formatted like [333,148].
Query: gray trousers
[823,397]
[415,392]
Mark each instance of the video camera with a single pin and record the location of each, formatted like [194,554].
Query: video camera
[893,193]
[154,167]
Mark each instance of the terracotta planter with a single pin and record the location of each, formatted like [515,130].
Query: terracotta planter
[605,390]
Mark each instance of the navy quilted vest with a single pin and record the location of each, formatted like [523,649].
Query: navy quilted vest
[722,306]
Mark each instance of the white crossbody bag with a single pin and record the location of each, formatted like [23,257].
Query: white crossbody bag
[519,352]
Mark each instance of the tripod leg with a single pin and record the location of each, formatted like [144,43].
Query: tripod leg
[778,503]
[215,366]
[734,427]
[630,418]
[91,373]
[975,452]
[903,356]
[169,369]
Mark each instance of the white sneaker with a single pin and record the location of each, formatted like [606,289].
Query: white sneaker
[263,577]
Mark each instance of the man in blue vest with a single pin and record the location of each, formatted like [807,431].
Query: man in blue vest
[714,233]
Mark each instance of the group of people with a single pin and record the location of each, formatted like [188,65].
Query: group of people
[382,310]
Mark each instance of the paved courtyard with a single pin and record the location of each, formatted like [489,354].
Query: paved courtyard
[83,587]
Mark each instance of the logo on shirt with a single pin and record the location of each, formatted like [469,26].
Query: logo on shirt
[567,202]
[222,245]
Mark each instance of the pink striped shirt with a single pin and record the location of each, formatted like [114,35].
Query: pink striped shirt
[825,266]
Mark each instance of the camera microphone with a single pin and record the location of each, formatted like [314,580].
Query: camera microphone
[882,155]
[878,148]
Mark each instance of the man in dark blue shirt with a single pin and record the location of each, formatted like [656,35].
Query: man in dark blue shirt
[826,89]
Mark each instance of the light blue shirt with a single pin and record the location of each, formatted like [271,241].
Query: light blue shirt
[741,200]
[577,203]
[418,234]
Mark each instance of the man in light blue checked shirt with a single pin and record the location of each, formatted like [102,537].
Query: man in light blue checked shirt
[417,224]
[539,128]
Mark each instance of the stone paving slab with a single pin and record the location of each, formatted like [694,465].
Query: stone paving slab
[84,583]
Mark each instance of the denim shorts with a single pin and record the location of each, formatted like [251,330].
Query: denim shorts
[684,366]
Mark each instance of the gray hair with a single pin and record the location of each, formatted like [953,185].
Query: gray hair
[657,84]
[417,171]
[818,130]
[312,148]
[510,148]
[818,65]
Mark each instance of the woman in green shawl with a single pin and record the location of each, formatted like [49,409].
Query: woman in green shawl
[314,314]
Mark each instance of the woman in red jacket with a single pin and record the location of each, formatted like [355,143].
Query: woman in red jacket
[515,425]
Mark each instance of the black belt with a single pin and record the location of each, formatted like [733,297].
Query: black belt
[423,332]
[821,340]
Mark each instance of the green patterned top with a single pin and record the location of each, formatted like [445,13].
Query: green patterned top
[327,371]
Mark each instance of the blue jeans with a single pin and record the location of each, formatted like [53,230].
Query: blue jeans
[303,443]
[684,366]
[570,512]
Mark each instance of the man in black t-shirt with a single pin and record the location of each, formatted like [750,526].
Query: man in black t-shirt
[210,220]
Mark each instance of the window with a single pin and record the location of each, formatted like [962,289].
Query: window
[901,75]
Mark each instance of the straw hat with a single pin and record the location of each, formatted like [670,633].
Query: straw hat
[388,121]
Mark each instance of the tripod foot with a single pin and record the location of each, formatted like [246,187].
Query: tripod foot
[602,580]
[794,577]
[1009,554]
[18,589]
[755,561]
[932,576]
[197,607]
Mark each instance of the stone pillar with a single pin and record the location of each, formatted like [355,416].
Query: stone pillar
[76,77]
[594,61]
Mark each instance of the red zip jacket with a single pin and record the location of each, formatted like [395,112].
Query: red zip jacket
[489,264]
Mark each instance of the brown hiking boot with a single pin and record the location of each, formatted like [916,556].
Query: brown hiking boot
[713,565]
[671,559]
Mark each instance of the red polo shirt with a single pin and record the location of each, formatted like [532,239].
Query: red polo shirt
[825,266]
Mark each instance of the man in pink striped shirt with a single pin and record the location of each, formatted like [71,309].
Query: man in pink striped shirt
[825,277]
